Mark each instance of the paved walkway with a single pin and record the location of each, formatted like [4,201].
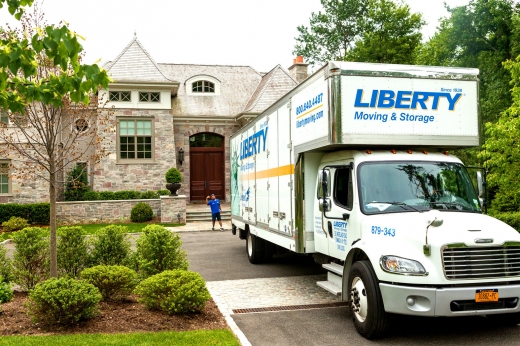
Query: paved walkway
[200,227]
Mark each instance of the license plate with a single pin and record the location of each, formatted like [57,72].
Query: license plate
[482,296]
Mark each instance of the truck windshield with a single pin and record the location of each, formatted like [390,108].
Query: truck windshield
[389,187]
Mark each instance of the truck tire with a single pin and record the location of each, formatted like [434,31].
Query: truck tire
[505,319]
[255,248]
[365,302]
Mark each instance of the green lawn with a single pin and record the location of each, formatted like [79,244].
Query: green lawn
[132,227]
[198,337]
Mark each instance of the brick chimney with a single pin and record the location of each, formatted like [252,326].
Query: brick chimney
[298,70]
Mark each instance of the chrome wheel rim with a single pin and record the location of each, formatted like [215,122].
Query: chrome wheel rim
[249,245]
[358,299]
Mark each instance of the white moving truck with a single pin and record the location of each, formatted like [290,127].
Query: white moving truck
[353,167]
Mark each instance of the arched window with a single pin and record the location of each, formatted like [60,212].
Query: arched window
[206,140]
[203,86]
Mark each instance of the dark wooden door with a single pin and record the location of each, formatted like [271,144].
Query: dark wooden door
[206,173]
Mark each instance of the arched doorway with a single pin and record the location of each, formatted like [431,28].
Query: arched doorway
[207,171]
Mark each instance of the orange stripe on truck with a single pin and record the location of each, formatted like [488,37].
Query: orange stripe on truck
[269,173]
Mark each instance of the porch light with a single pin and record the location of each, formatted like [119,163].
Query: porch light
[181,155]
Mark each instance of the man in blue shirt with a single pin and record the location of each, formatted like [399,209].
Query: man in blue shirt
[214,204]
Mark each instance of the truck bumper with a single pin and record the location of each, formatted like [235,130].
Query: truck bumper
[458,301]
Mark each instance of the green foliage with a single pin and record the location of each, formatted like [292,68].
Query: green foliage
[6,266]
[391,35]
[63,301]
[511,218]
[72,251]
[174,291]
[35,213]
[6,291]
[31,258]
[107,195]
[127,194]
[158,250]
[110,246]
[15,224]
[141,212]
[77,184]
[91,196]
[163,192]
[173,176]
[149,195]
[113,282]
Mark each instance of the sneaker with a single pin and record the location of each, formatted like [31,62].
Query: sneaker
[213,229]
[221,229]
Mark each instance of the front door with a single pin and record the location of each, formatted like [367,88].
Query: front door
[206,166]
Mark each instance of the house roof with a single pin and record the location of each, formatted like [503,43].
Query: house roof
[134,64]
[237,84]
[273,86]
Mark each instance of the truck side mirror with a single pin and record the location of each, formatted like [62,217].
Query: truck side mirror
[481,184]
[324,183]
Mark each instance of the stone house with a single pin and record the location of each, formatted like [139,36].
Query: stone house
[170,115]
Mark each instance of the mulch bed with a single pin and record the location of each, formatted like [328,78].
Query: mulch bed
[115,317]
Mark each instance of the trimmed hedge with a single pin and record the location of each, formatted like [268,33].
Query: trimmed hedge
[123,195]
[34,213]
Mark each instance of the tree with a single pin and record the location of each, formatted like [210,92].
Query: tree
[50,99]
[331,33]
[353,30]
[392,34]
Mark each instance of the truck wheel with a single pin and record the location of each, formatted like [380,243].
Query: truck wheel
[255,248]
[505,319]
[366,304]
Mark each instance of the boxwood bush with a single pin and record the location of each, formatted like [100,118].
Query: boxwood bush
[72,251]
[511,218]
[91,196]
[110,246]
[174,291]
[31,258]
[6,291]
[15,223]
[113,282]
[158,249]
[35,213]
[6,266]
[63,301]
[141,212]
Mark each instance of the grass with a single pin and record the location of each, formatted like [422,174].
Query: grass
[197,337]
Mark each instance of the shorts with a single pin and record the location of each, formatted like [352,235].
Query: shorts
[215,216]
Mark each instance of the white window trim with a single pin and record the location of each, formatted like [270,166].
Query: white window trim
[149,96]
[120,91]
[118,152]
[189,82]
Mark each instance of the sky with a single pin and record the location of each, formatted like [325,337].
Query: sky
[256,33]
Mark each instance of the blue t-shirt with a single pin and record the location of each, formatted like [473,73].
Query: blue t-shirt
[215,205]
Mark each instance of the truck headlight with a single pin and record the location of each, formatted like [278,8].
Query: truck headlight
[403,266]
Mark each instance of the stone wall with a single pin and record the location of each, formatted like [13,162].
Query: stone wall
[173,209]
[101,211]
[183,132]
[109,175]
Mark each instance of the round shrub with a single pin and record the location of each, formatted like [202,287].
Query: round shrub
[110,246]
[174,291]
[6,291]
[158,249]
[141,212]
[91,196]
[113,282]
[72,251]
[15,224]
[173,176]
[31,258]
[63,301]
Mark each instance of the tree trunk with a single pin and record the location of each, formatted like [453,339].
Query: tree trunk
[52,223]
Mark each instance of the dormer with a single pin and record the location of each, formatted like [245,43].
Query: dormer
[202,85]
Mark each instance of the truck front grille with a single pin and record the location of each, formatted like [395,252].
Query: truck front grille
[481,262]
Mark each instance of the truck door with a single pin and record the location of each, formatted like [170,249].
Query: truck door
[336,215]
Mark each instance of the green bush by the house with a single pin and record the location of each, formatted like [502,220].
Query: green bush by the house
[174,291]
[15,223]
[113,282]
[34,213]
[63,301]
[72,251]
[141,212]
[110,246]
[123,195]
[511,218]
[6,291]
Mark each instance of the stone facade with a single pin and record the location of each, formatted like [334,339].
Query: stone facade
[110,175]
[173,209]
[101,211]
[30,189]
[183,132]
